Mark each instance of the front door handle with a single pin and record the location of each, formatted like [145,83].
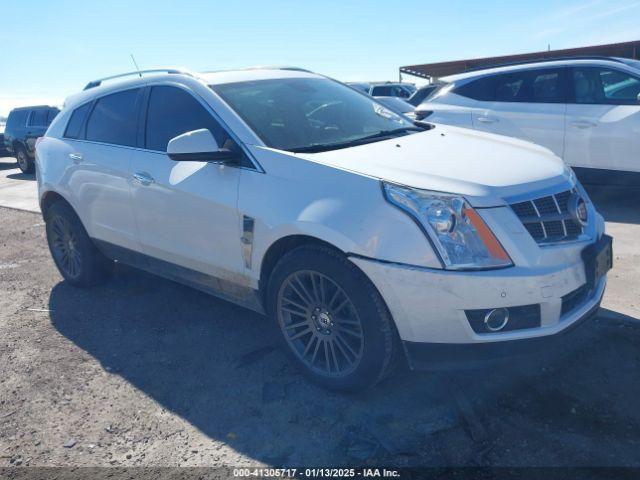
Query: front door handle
[143,178]
[488,120]
[584,124]
[76,157]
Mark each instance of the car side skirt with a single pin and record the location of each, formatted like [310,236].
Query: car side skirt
[224,289]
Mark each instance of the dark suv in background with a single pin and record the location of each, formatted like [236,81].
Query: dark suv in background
[24,126]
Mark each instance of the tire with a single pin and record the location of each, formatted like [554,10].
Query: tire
[76,257]
[26,164]
[345,347]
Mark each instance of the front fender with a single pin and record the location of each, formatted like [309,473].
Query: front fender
[344,209]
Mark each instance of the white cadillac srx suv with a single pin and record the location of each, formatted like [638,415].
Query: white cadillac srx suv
[365,237]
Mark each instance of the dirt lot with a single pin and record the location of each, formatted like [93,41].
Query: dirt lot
[142,371]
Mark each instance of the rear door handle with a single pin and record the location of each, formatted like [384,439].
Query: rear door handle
[143,178]
[584,124]
[76,157]
[488,120]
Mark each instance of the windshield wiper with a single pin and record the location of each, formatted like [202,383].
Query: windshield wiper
[323,147]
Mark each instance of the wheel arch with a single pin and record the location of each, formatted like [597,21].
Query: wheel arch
[280,248]
[284,245]
[49,198]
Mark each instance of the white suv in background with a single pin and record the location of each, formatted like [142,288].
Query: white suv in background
[585,110]
[363,236]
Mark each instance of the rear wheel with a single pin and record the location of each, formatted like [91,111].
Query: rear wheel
[24,162]
[75,255]
[334,324]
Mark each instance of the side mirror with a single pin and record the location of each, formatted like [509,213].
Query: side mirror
[199,146]
[638,97]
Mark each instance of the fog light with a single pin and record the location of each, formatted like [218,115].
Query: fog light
[496,319]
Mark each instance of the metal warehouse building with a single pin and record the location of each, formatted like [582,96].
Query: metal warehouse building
[441,69]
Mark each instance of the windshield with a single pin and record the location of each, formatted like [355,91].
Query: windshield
[311,114]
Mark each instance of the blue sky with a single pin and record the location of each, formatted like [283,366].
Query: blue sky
[54,47]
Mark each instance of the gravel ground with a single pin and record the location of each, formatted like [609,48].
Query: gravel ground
[145,372]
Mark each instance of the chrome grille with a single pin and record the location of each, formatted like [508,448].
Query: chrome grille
[547,219]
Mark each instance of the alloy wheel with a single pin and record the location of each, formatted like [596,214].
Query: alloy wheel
[320,323]
[64,247]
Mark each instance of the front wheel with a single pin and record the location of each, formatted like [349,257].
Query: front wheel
[24,162]
[334,324]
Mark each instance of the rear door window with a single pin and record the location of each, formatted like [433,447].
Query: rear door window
[530,86]
[526,86]
[114,119]
[547,86]
[509,88]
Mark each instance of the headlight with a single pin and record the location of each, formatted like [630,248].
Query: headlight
[458,233]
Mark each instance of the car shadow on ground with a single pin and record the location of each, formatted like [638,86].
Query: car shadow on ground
[8,164]
[22,176]
[218,367]
[616,204]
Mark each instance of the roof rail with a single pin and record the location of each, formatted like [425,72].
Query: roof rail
[294,69]
[543,60]
[264,67]
[97,83]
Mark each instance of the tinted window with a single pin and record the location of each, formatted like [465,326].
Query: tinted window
[401,92]
[508,87]
[51,115]
[382,91]
[422,94]
[530,86]
[592,85]
[75,122]
[114,119]
[533,86]
[172,112]
[546,87]
[17,119]
[480,89]
[38,118]
[390,91]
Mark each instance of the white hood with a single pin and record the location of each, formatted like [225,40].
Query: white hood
[485,168]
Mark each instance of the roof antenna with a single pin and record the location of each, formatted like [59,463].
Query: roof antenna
[135,64]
